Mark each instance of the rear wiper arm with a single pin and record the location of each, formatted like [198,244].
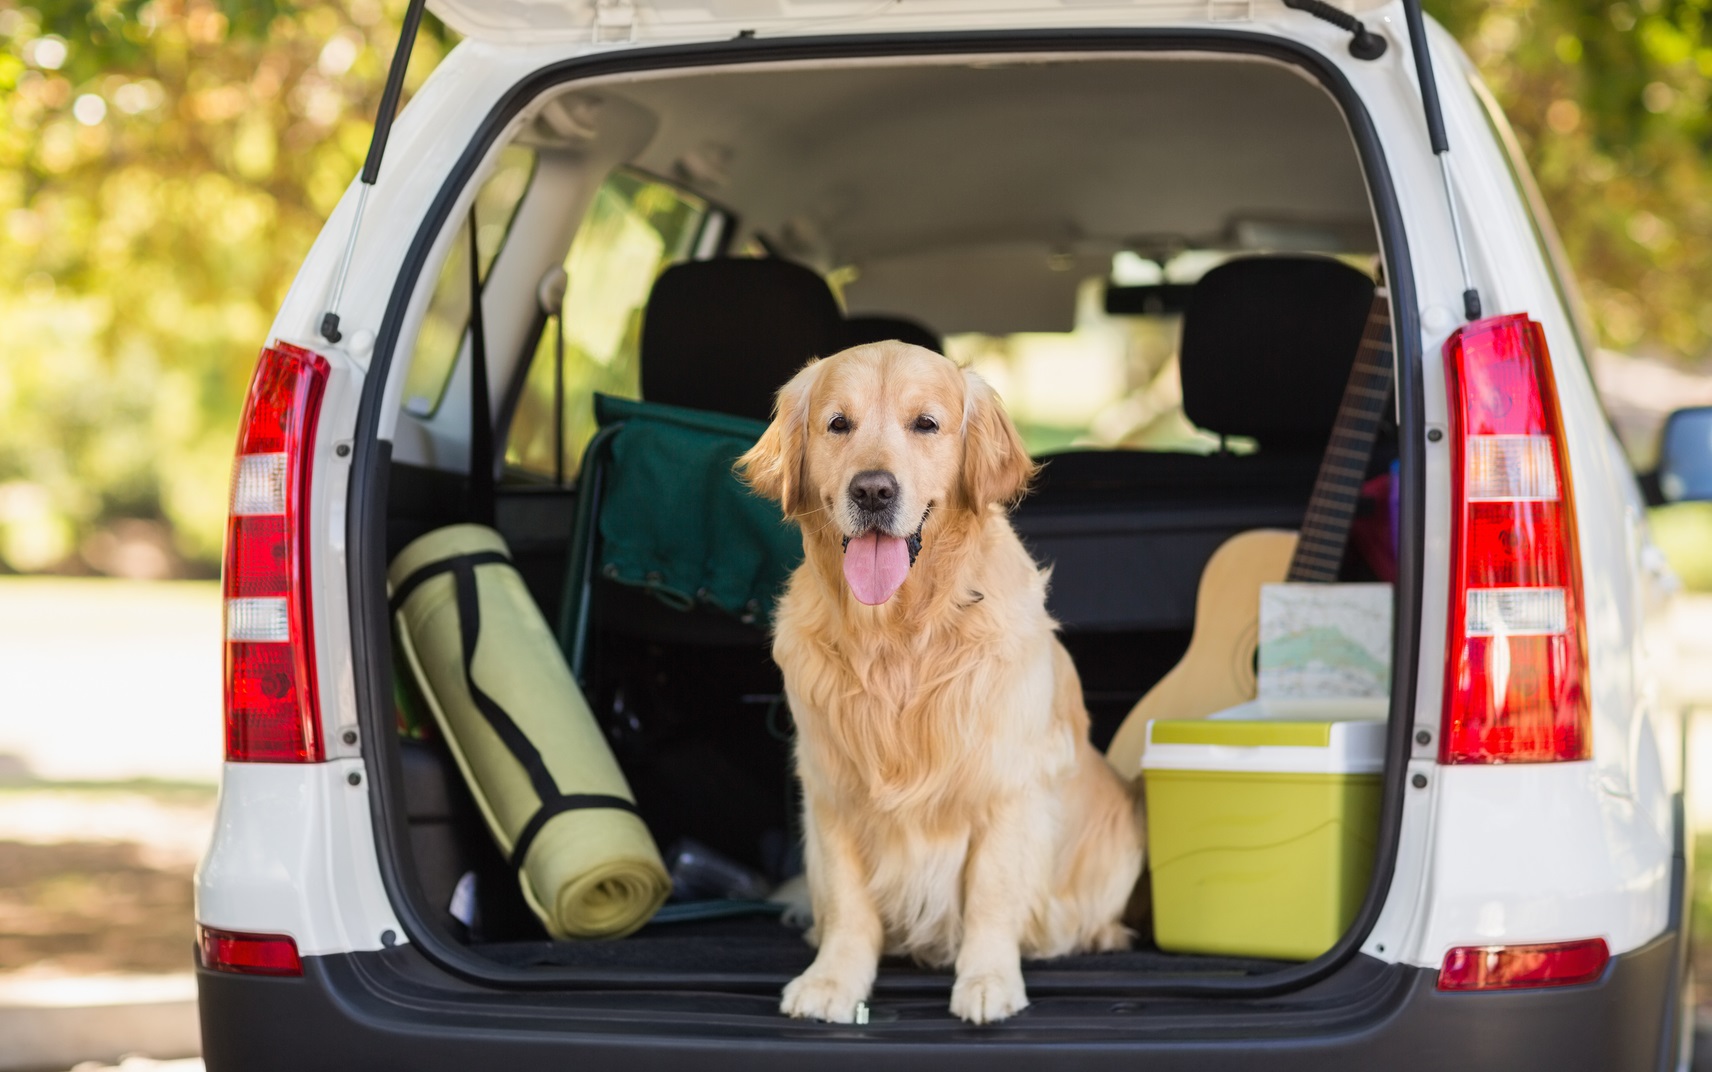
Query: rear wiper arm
[1364,44]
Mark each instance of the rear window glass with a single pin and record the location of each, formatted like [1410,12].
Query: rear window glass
[637,227]
[1113,381]
[447,319]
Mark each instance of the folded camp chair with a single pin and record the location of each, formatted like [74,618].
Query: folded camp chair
[658,509]
[661,512]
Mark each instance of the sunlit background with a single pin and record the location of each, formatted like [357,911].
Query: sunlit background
[164,166]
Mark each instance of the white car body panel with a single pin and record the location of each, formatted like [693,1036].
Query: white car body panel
[1487,855]
[294,853]
[1537,853]
[559,21]
[1531,852]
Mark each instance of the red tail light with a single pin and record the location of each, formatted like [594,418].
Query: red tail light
[249,954]
[271,709]
[1516,676]
[1517,967]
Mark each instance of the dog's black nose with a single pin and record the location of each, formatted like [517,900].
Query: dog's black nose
[873,491]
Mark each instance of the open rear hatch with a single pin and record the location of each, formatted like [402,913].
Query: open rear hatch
[999,255]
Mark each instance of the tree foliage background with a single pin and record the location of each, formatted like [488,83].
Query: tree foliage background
[1609,101]
[165,164]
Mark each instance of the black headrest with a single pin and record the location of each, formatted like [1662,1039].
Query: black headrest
[861,329]
[726,334]
[1267,347]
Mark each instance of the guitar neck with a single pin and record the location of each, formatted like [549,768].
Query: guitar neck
[1343,468]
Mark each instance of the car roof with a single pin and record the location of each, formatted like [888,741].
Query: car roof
[988,209]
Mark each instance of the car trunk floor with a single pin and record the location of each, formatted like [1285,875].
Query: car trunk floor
[764,946]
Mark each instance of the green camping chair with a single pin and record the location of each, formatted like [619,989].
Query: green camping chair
[660,510]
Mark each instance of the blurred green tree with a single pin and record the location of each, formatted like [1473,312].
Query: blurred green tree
[1609,102]
[165,164]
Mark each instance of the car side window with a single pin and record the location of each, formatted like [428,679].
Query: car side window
[447,319]
[636,227]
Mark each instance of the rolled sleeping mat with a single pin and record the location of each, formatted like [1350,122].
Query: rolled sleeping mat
[529,748]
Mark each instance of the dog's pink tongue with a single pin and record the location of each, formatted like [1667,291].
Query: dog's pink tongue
[875,565]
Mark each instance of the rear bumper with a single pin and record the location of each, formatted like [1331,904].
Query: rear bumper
[394,1010]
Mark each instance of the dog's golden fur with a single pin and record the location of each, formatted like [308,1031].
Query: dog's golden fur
[955,809]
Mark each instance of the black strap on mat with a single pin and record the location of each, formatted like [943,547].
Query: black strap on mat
[553,801]
[407,587]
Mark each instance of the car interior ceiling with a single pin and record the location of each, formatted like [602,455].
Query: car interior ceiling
[846,167]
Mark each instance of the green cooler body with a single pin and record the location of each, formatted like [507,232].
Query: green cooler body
[1260,835]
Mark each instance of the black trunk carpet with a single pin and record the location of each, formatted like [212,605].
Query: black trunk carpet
[763,946]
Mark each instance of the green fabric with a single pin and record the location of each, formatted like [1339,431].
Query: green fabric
[591,872]
[676,521]
[695,911]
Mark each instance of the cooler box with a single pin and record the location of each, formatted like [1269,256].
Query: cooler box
[1260,834]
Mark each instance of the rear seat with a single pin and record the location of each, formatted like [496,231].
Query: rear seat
[690,698]
[725,335]
[1267,346]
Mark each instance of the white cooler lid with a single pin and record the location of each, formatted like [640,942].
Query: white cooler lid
[1265,746]
[1318,709]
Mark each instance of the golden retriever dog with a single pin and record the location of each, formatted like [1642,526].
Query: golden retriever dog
[955,811]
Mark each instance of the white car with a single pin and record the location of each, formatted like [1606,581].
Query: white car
[1038,189]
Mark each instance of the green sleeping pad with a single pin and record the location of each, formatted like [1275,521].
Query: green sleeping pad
[491,673]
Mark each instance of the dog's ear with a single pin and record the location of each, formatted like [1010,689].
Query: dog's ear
[996,465]
[776,466]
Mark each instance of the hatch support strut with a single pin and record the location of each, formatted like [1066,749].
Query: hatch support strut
[1440,145]
[371,165]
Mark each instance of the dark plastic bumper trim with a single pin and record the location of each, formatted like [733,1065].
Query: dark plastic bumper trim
[354,1011]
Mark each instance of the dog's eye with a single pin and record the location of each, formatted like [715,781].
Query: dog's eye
[839,424]
[924,423]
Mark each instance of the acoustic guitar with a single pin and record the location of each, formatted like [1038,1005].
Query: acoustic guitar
[1218,669]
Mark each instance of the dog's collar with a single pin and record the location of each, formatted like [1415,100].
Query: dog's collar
[912,541]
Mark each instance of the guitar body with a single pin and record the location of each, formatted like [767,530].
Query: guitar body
[1218,669]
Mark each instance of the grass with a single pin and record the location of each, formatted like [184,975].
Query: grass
[1700,920]
[165,790]
[98,877]
[89,907]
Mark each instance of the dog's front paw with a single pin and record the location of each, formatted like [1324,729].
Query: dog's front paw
[1110,938]
[822,995]
[988,997]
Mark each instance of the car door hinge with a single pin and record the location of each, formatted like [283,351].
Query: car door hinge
[615,20]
